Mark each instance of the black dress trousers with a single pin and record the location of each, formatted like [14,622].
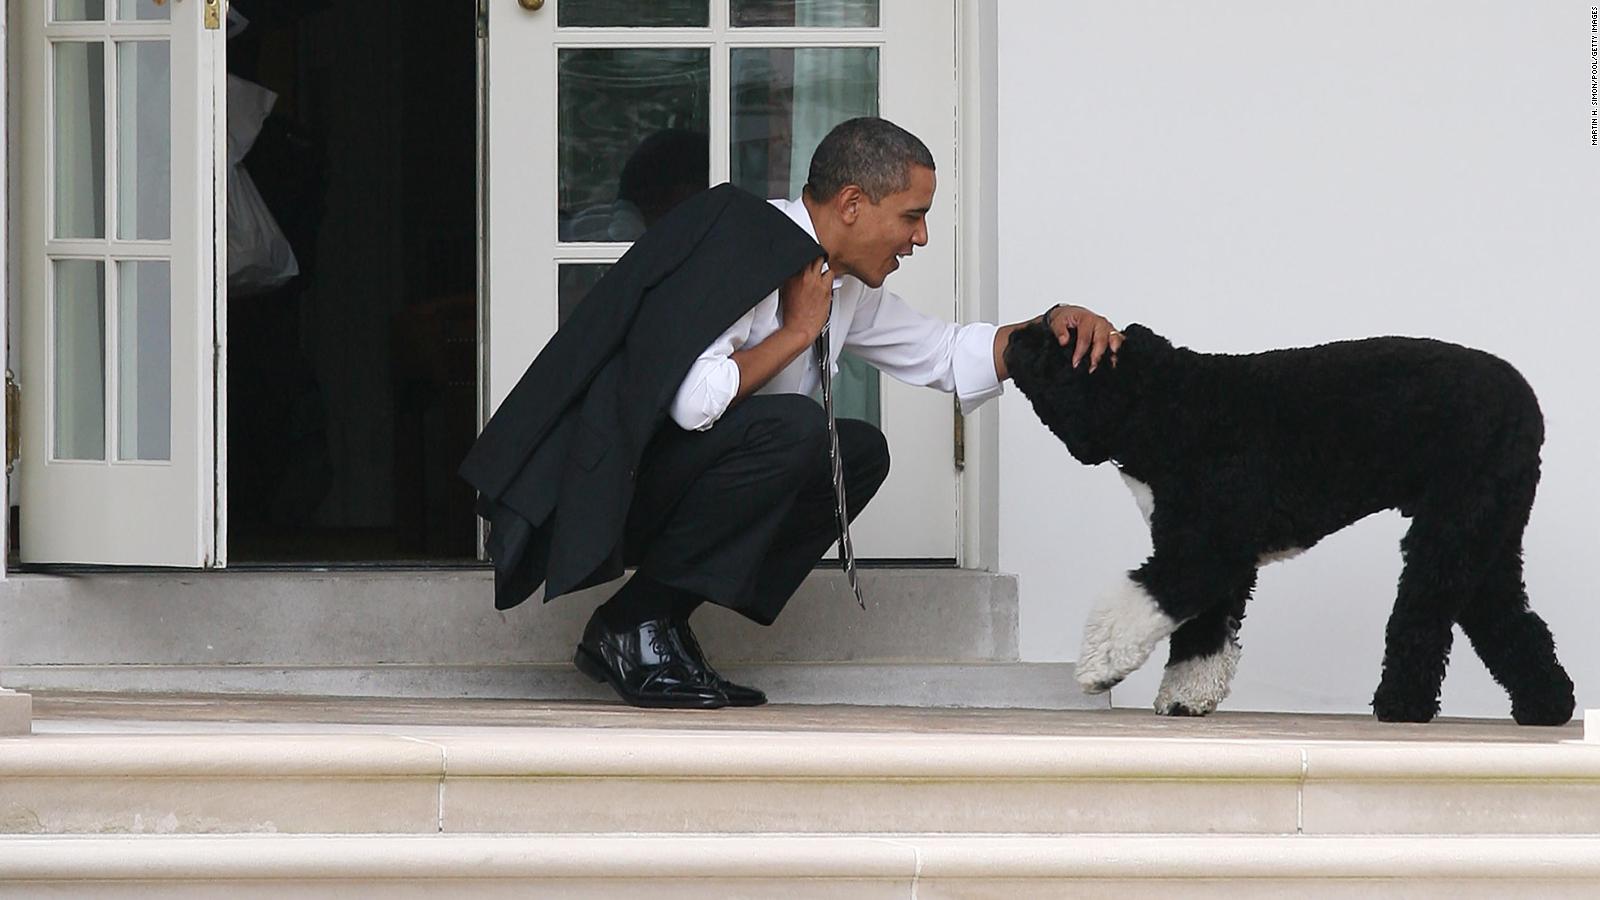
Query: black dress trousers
[741,512]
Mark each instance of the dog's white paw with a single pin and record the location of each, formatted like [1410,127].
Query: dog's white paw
[1195,687]
[1119,636]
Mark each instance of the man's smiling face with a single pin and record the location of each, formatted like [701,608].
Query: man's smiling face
[878,234]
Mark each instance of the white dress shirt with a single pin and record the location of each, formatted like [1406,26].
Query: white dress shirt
[872,323]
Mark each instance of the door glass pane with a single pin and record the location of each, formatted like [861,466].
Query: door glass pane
[144,141]
[856,394]
[80,140]
[785,100]
[633,128]
[633,13]
[144,359]
[145,10]
[805,13]
[574,282]
[79,327]
[80,10]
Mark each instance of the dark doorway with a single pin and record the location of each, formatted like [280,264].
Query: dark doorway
[352,370]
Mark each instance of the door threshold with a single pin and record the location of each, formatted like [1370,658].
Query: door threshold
[391,565]
[299,566]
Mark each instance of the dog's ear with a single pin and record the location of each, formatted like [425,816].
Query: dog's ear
[1042,370]
[1032,350]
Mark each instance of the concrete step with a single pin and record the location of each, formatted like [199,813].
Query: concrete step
[994,685]
[927,867]
[16,712]
[943,637]
[424,780]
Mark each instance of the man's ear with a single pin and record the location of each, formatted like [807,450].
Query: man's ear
[848,203]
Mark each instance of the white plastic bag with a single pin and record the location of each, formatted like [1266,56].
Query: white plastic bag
[259,256]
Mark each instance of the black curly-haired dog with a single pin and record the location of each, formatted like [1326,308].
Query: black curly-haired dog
[1240,460]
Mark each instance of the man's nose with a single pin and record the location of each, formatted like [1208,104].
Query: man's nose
[920,236]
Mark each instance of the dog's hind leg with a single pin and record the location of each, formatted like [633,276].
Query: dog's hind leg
[1513,642]
[1447,552]
[1516,646]
[1204,656]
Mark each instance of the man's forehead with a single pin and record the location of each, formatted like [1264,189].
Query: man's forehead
[924,183]
[919,195]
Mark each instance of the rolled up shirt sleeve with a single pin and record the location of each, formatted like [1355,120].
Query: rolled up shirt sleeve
[713,380]
[926,351]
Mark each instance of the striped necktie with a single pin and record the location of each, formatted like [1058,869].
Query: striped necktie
[847,554]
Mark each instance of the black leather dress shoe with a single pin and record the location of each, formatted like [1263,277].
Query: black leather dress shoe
[737,694]
[646,666]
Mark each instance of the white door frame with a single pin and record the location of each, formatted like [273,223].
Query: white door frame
[978,277]
[15,709]
[5,270]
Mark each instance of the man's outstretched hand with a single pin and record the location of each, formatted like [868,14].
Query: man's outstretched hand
[1096,335]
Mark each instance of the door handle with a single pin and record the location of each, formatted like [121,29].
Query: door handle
[531,5]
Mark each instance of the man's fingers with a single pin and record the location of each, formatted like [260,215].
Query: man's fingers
[1081,348]
[1102,342]
[1096,336]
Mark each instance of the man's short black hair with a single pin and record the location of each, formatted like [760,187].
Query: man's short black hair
[874,153]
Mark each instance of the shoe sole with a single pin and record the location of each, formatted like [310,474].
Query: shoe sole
[595,669]
[748,703]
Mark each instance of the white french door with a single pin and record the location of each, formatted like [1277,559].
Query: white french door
[602,113]
[115,216]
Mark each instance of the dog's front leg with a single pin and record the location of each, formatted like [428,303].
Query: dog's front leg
[1204,657]
[1121,632]
[1170,588]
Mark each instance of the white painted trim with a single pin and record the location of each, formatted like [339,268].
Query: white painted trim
[214,68]
[16,710]
[977,273]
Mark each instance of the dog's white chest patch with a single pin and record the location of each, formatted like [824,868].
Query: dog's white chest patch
[1142,495]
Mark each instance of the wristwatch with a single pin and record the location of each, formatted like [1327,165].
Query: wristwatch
[1048,313]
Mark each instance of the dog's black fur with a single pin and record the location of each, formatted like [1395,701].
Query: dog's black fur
[1251,455]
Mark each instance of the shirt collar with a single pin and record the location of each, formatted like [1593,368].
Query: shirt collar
[796,210]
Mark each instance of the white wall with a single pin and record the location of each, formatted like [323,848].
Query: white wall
[9,327]
[1254,174]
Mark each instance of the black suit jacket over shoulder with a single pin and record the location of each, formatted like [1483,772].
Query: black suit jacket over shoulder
[554,466]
